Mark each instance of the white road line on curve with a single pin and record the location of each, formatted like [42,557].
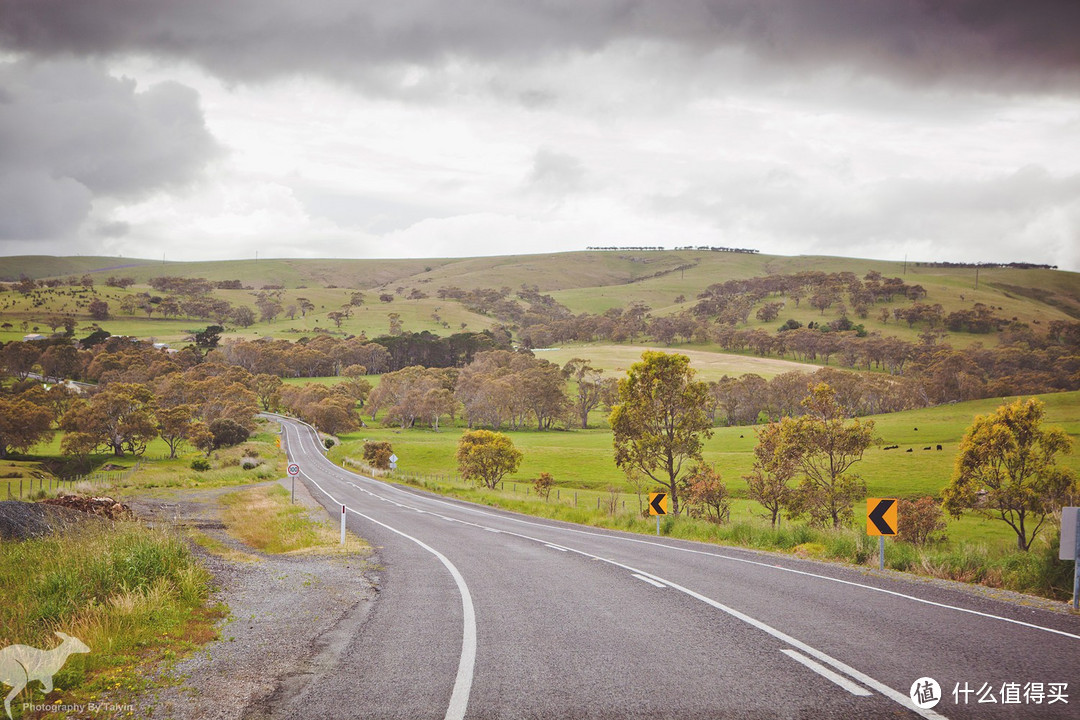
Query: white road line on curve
[746,561]
[649,580]
[459,698]
[827,673]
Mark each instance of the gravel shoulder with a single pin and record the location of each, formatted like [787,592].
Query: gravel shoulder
[285,612]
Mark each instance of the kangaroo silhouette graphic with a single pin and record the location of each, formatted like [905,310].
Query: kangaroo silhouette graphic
[20,664]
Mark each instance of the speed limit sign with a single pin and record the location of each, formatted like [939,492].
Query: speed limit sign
[294,469]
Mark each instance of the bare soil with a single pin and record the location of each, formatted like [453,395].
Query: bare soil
[284,613]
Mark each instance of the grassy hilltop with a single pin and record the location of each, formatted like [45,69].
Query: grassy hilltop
[594,281]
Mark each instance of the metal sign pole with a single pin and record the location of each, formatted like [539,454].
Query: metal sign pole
[881,552]
[292,498]
[657,524]
[1076,560]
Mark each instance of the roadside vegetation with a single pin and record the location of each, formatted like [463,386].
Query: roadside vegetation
[264,519]
[133,595]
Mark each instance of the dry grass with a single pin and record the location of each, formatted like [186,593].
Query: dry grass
[263,518]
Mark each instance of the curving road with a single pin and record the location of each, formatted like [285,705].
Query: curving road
[488,614]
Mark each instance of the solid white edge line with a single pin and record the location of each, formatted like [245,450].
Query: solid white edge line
[555,547]
[649,580]
[827,673]
[459,698]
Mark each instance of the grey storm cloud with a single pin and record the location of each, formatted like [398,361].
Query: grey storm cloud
[71,133]
[554,173]
[996,45]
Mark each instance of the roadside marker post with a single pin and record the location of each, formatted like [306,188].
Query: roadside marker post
[881,520]
[342,524]
[658,507]
[1070,547]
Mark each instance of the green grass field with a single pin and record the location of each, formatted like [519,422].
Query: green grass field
[581,461]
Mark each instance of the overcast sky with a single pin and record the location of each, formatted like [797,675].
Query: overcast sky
[212,129]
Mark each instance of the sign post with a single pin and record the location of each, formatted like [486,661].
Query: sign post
[1070,547]
[294,470]
[393,461]
[342,524]
[658,507]
[881,520]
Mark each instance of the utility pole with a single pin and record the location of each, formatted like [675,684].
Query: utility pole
[976,277]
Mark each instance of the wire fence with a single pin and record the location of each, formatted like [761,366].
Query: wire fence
[33,487]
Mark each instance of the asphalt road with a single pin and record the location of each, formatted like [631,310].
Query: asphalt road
[488,614]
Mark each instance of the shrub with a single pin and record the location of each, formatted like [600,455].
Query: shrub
[921,521]
[328,443]
[543,485]
[250,465]
[200,465]
[377,454]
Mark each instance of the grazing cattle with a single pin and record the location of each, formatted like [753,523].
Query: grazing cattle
[908,450]
[938,447]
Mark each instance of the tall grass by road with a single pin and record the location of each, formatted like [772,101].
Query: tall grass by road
[131,594]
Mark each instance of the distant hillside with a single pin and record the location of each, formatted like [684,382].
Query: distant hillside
[425,292]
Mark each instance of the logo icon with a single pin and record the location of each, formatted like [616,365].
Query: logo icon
[22,664]
[925,693]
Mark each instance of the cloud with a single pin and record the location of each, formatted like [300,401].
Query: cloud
[998,45]
[554,173]
[1027,215]
[71,134]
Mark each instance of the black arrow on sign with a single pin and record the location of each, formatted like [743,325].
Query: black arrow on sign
[657,504]
[878,517]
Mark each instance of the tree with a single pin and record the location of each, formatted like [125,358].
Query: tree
[227,433]
[59,362]
[768,481]
[23,424]
[209,338]
[706,491]
[589,387]
[200,436]
[174,425]
[99,309]
[120,418]
[823,447]
[486,457]
[661,421]
[243,316]
[268,389]
[1007,468]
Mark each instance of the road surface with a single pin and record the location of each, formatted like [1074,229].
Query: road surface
[487,614]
